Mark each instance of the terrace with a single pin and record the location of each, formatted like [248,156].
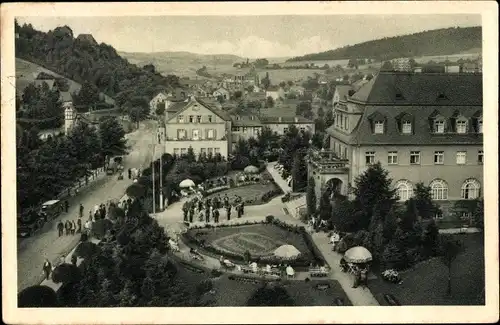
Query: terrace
[327,162]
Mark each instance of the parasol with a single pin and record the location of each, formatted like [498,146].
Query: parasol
[251,169]
[186,183]
[357,254]
[287,251]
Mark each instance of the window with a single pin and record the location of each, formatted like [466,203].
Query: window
[480,157]
[245,129]
[198,119]
[480,125]
[406,127]
[438,157]
[196,134]
[176,151]
[183,151]
[217,150]
[379,127]
[470,189]
[439,126]
[256,130]
[438,215]
[191,118]
[210,118]
[392,158]
[461,157]
[399,96]
[346,123]
[345,153]
[404,190]
[415,157]
[370,157]
[439,190]
[210,134]
[341,121]
[210,151]
[285,130]
[181,134]
[204,150]
[180,118]
[461,126]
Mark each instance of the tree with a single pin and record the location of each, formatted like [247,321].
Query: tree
[36,297]
[270,295]
[387,66]
[269,102]
[449,250]
[478,214]
[112,137]
[266,81]
[321,113]
[393,257]
[160,109]
[410,216]
[329,119]
[237,94]
[423,200]
[190,157]
[374,193]
[282,84]
[299,171]
[88,95]
[311,197]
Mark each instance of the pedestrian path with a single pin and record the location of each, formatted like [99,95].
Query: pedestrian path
[277,178]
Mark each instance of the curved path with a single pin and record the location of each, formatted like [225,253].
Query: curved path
[32,251]
[172,220]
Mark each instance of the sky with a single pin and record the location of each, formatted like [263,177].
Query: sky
[247,36]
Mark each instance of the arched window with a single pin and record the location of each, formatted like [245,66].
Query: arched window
[439,190]
[404,189]
[470,189]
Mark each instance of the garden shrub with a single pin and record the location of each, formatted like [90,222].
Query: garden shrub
[37,296]
[215,273]
[66,273]
[67,295]
[204,287]
[100,228]
[269,219]
[86,250]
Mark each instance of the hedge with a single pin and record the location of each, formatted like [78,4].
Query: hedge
[37,296]
[66,273]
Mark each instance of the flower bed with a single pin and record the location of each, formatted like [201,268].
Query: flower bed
[298,236]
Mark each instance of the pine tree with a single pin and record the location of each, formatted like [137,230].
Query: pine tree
[311,197]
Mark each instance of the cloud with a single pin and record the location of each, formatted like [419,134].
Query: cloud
[257,47]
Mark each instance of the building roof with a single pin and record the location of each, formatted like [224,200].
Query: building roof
[392,88]
[211,106]
[65,96]
[343,91]
[256,96]
[273,88]
[420,117]
[245,120]
[221,89]
[284,120]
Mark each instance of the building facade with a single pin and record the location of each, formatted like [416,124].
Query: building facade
[197,125]
[421,128]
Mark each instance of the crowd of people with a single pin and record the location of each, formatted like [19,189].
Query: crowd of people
[207,209]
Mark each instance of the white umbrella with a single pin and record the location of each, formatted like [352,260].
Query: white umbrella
[251,169]
[357,254]
[287,251]
[186,183]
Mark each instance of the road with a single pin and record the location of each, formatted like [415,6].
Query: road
[46,243]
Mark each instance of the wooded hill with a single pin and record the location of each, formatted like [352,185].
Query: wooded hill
[83,59]
[444,41]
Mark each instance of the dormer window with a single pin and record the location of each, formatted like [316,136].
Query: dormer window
[461,126]
[378,127]
[406,127]
[439,126]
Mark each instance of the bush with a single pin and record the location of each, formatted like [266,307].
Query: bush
[86,250]
[100,227]
[215,273]
[37,296]
[269,219]
[66,273]
[204,287]
[67,295]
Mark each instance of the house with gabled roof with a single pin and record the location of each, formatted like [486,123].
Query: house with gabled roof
[198,125]
[422,127]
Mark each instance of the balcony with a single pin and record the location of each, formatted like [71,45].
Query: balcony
[327,162]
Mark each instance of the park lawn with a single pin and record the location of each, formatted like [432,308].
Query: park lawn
[252,192]
[234,293]
[426,283]
[277,236]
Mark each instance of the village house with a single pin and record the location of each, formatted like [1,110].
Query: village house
[244,126]
[342,92]
[281,124]
[177,95]
[275,92]
[422,127]
[161,97]
[198,125]
[221,92]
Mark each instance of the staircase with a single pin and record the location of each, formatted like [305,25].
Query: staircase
[294,206]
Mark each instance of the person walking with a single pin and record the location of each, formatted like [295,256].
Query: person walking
[228,209]
[67,227]
[207,215]
[242,207]
[216,216]
[129,173]
[47,268]
[238,210]
[79,224]
[66,206]
[88,226]
[185,211]
[73,227]
[191,214]
[60,228]
[74,259]
[81,211]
